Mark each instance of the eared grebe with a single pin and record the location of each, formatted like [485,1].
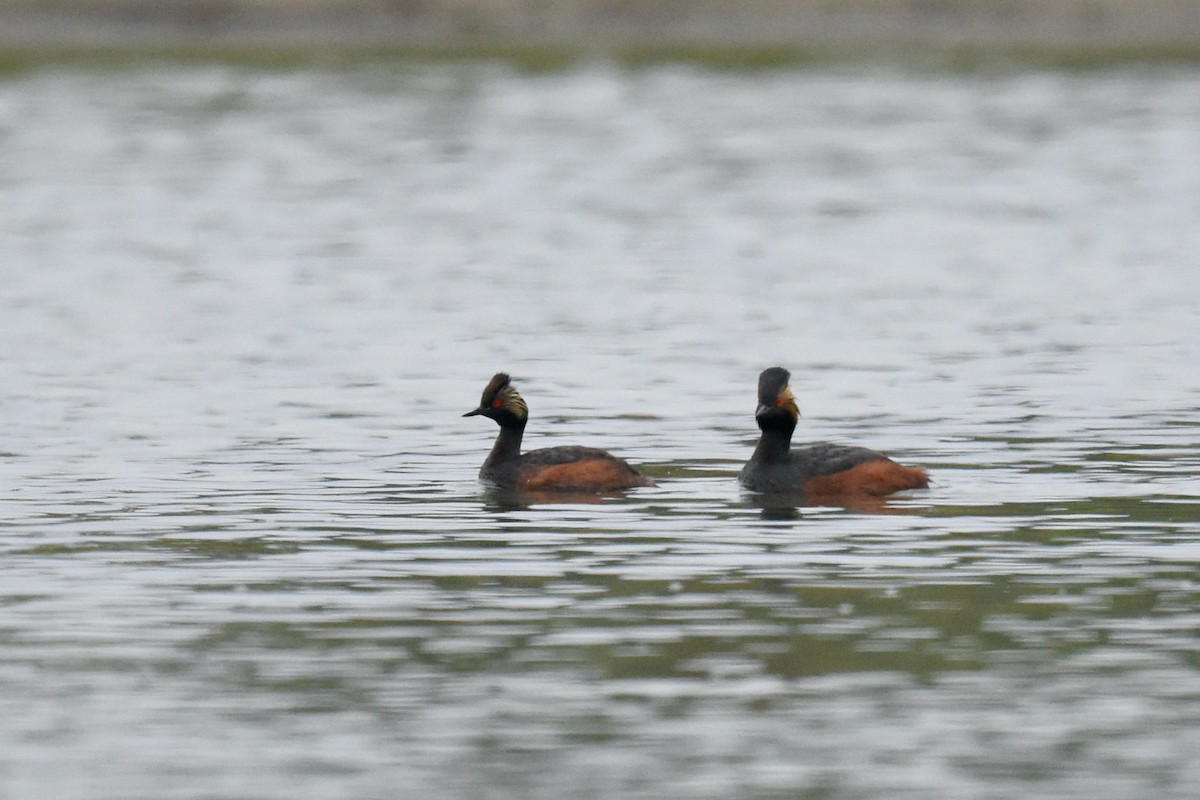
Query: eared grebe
[551,469]
[819,471]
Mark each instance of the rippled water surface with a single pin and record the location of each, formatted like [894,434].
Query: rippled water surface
[244,550]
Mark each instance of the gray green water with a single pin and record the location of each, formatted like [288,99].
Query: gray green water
[244,552]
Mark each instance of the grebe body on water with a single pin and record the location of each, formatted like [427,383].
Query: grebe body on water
[550,469]
[820,471]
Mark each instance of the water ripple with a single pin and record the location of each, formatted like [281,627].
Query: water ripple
[244,545]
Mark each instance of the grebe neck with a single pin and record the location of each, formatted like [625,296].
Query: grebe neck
[773,445]
[507,446]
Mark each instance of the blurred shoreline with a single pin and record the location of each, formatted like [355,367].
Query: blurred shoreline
[1054,30]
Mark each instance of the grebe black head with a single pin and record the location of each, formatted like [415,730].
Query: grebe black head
[777,410]
[501,402]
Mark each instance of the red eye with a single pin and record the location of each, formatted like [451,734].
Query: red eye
[496,403]
[779,401]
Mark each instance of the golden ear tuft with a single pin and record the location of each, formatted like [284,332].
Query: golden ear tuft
[513,402]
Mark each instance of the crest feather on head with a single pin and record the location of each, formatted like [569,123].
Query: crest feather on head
[771,383]
[499,381]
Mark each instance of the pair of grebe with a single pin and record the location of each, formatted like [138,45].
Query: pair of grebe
[815,473]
